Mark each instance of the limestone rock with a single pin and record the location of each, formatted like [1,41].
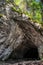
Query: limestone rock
[18,35]
[10,37]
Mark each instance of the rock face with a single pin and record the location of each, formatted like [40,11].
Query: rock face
[18,36]
[32,38]
[10,37]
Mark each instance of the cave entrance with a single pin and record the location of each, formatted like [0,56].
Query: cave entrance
[32,54]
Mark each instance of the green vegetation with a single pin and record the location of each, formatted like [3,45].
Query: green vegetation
[31,8]
[1,15]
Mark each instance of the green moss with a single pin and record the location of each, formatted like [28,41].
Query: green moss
[1,15]
[16,10]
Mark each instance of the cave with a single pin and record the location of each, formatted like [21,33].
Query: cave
[30,54]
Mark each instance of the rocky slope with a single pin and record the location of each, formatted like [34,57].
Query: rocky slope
[18,36]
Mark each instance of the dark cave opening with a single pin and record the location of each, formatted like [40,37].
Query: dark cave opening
[32,54]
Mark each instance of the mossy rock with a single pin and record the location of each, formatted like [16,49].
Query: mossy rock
[1,15]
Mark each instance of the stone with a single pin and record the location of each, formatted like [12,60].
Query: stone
[10,37]
[18,36]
